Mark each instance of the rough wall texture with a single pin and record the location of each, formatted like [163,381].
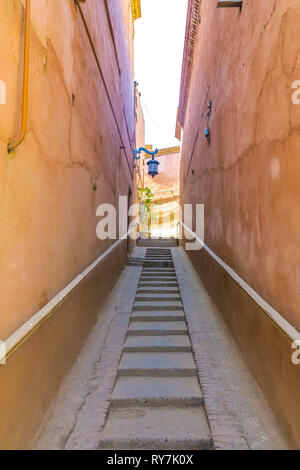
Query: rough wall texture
[248,178]
[48,197]
[47,201]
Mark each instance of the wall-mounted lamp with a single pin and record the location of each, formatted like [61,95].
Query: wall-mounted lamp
[230,3]
[152,164]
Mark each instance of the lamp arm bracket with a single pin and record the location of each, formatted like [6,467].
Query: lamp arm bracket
[142,149]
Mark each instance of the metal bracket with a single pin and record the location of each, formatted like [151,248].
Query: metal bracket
[142,149]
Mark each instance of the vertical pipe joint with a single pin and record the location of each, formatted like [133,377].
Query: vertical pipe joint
[14,143]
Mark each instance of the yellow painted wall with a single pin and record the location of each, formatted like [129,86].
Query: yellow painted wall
[166,212]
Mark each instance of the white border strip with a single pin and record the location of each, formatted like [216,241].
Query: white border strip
[277,318]
[19,336]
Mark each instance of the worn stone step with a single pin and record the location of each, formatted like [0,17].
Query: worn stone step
[158,364]
[157,391]
[159,260]
[158,305]
[157,297]
[158,270]
[158,273]
[158,255]
[158,284]
[177,343]
[158,250]
[157,328]
[158,290]
[160,280]
[156,429]
[151,264]
[158,315]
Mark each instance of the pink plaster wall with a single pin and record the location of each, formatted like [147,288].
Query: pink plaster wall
[47,202]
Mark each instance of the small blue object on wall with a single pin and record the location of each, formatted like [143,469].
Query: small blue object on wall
[207,134]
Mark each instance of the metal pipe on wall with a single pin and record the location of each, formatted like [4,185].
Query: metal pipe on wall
[14,143]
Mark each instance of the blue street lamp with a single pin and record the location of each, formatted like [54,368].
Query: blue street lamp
[152,164]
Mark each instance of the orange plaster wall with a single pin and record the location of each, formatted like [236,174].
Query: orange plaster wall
[248,178]
[47,201]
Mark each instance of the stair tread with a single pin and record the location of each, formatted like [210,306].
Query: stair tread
[158,342]
[157,305]
[153,389]
[142,363]
[159,315]
[156,428]
[159,327]
[158,296]
[158,290]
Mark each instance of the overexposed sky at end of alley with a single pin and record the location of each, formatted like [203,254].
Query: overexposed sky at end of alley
[159,41]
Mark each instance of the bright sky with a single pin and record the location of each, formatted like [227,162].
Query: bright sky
[159,41]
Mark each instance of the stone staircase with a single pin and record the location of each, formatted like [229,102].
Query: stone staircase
[157,401]
[158,242]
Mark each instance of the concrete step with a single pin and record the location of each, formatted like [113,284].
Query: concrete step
[156,264]
[160,270]
[157,364]
[176,315]
[157,243]
[159,276]
[159,260]
[151,264]
[157,391]
[163,257]
[158,305]
[156,429]
[158,290]
[159,250]
[152,283]
[159,280]
[158,253]
[177,343]
[160,328]
[160,296]
[155,273]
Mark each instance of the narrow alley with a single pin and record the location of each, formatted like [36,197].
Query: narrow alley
[149,227]
[138,388]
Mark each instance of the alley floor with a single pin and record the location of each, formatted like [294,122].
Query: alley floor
[159,370]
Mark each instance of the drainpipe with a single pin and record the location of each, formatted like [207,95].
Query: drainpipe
[14,143]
